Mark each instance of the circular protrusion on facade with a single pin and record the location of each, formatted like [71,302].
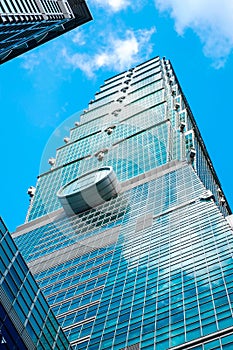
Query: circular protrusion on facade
[89,190]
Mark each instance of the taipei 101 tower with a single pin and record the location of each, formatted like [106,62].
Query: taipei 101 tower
[129,234]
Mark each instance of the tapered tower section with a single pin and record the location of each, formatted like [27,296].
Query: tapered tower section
[127,233]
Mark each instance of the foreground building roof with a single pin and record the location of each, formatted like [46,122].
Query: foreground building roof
[25,25]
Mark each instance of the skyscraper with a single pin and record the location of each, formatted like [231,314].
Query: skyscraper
[26,321]
[128,234]
[25,25]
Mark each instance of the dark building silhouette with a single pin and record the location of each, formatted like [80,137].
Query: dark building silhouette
[25,24]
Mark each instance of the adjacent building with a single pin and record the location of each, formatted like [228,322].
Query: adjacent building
[25,25]
[26,321]
[128,234]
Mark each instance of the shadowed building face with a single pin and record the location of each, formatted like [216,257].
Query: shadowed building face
[25,25]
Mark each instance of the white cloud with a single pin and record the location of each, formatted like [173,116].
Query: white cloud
[116,53]
[211,20]
[113,5]
[30,61]
[78,37]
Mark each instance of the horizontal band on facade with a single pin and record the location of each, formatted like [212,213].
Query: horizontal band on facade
[81,340]
[77,274]
[78,295]
[126,185]
[80,264]
[77,309]
[103,239]
[90,319]
[204,339]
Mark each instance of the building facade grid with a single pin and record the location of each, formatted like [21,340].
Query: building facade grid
[26,321]
[150,268]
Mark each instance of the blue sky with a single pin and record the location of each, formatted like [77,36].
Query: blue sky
[42,90]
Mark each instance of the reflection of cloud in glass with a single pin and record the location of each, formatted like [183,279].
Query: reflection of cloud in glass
[55,140]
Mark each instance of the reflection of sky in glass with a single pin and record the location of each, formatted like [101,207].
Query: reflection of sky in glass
[180,263]
[168,282]
[131,157]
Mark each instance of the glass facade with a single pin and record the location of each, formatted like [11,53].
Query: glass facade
[152,267]
[26,321]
